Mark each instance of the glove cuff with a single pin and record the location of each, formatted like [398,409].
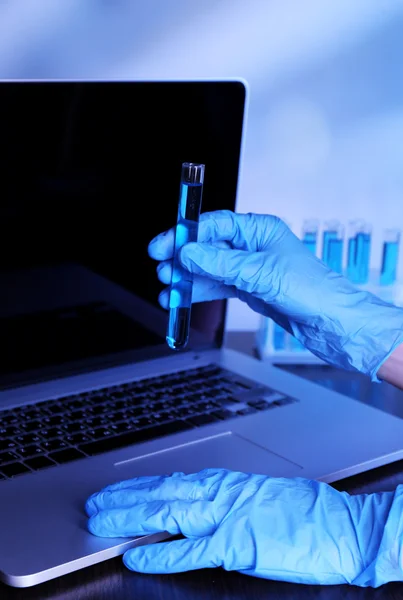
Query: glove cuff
[387,564]
[379,338]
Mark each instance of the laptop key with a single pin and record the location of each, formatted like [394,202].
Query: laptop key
[8,419]
[31,415]
[6,457]
[9,431]
[29,426]
[55,444]
[13,469]
[247,411]
[97,422]
[38,462]
[186,411]
[224,414]
[76,427]
[54,421]
[29,451]
[261,404]
[28,439]
[73,405]
[226,401]
[49,434]
[283,401]
[143,422]
[56,409]
[101,432]
[65,456]
[164,416]
[134,437]
[78,438]
[203,419]
[7,445]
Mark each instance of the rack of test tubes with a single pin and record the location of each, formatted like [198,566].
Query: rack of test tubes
[346,250]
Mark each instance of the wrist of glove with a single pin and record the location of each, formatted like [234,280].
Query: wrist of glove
[294,530]
[360,336]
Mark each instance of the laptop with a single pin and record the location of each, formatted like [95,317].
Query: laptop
[90,392]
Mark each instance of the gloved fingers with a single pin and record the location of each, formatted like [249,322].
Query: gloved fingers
[224,225]
[164,268]
[145,481]
[164,271]
[193,519]
[250,272]
[204,290]
[178,486]
[250,232]
[94,502]
[162,246]
[242,231]
[172,557]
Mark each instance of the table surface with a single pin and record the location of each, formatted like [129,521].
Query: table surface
[111,581]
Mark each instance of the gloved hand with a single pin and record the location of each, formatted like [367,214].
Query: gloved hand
[259,260]
[293,530]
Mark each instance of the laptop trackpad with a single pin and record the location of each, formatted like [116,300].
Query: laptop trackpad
[227,451]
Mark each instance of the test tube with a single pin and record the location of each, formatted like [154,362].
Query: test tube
[332,251]
[358,252]
[279,337]
[390,256]
[296,345]
[187,224]
[310,234]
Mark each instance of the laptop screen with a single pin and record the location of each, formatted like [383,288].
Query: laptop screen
[89,174]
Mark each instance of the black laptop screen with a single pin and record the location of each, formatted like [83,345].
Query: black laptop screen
[89,174]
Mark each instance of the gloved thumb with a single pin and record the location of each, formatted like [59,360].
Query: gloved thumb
[171,557]
[239,268]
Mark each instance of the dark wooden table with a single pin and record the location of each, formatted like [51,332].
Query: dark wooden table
[111,581]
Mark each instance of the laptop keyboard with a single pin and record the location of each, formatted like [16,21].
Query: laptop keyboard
[55,432]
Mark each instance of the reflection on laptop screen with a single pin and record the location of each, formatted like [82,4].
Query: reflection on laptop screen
[89,174]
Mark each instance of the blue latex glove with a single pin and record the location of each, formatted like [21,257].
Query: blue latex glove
[293,530]
[259,260]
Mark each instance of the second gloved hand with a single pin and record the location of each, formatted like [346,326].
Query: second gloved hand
[259,260]
[294,530]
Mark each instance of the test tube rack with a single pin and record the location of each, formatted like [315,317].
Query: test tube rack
[275,344]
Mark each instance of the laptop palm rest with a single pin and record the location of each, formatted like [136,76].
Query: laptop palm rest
[226,451]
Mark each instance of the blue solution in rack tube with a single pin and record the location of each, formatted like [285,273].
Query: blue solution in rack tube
[310,234]
[390,257]
[309,240]
[180,298]
[279,337]
[296,345]
[332,252]
[358,257]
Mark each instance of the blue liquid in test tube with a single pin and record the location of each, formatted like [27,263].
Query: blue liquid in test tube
[332,251]
[296,345]
[180,298]
[390,257]
[279,337]
[359,252]
[309,240]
